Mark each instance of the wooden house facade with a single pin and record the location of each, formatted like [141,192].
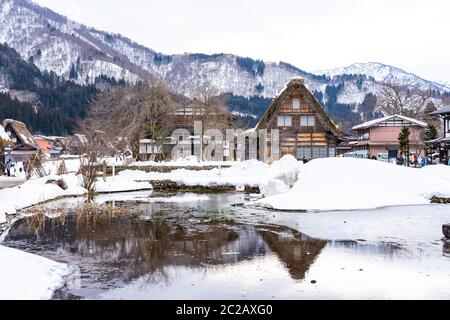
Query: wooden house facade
[305,129]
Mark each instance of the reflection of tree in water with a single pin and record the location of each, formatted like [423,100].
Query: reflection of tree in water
[130,248]
[297,251]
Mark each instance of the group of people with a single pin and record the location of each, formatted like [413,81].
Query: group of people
[424,161]
[10,165]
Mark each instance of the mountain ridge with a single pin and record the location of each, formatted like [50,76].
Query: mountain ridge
[60,42]
[71,50]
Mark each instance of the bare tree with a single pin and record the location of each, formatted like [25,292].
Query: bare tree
[145,110]
[396,98]
[88,168]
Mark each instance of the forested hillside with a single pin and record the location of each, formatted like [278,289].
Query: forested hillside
[56,104]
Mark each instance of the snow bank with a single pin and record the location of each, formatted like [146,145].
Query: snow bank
[26,276]
[285,172]
[182,162]
[348,184]
[248,173]
[120,183]
[37,191]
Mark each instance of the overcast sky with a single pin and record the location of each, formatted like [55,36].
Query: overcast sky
[312,35]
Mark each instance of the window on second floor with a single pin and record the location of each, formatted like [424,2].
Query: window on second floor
[307,121]
[296,103]
[364,135]
[284,121]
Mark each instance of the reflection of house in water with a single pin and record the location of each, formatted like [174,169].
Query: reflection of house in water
[131,248]
[297,251]
[134,247]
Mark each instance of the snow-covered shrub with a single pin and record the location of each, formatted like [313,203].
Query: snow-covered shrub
[285,174]
[274,187]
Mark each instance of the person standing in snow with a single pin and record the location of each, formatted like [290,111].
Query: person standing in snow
[400,160]
[8,167]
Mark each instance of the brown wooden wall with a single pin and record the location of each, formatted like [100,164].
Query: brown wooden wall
[291,138]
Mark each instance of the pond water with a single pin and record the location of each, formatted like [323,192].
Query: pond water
[202,247]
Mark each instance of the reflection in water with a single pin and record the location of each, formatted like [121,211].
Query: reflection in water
[298,252]
[122,250]
[446,248]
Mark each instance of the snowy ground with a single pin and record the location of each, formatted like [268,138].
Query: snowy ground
[8,182]
[26,276]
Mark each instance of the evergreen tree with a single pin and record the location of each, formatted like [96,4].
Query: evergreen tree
[403,139]
[73,73]
[430,133]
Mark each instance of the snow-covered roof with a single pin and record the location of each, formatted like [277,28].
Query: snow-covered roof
[21,131]
[443,110]
[82,138]
[375,122]
[3,135]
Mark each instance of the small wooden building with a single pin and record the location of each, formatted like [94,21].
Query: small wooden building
[305,129]
[78,144]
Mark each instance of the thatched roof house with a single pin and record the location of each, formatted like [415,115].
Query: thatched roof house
[305,129]
[21,141]
[78,144]
[19,134]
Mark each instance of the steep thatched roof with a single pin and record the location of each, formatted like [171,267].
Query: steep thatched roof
[81,140]
[20,129]
[297,83]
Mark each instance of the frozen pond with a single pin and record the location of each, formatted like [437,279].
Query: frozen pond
[202,247]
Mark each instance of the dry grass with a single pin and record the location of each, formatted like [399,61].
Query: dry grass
[91,214]
[40,214]
[88,215]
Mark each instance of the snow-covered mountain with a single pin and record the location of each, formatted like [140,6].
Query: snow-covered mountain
[75,51]
[385,73]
